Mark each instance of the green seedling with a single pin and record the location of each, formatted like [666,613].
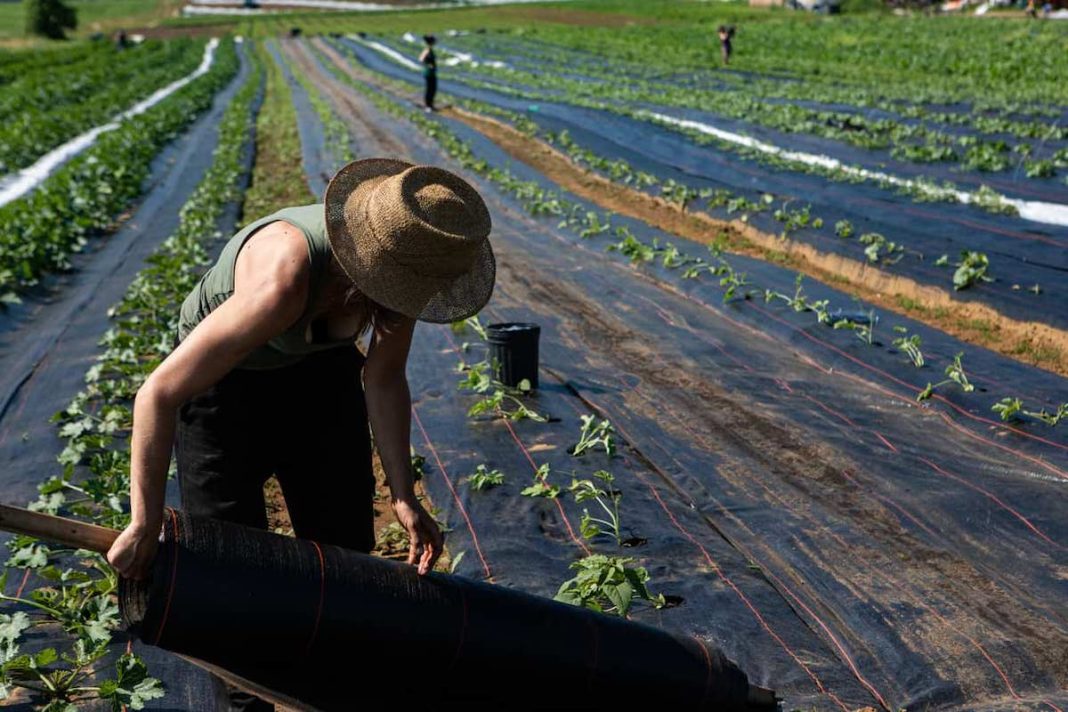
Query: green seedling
[954,374]
[910,345]
[1012,408]
[595,434]
[877,245]
[971,269]
[843,229]
[484,478]
[499,399]
[631,247]
[473,323]
[419,468]
[607,499]
[608,584]
[1008,408]
[863,331]
[541,486]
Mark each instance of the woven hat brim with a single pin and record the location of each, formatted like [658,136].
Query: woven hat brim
[381,280]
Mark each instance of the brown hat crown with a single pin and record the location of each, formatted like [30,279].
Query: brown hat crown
[413,238]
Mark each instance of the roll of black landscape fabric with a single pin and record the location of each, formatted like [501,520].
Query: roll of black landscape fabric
[336,629]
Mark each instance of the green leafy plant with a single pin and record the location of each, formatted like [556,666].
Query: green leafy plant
[484,478]
[541,486]
[971,269]
[608,584]
[910,345]
[864,330]
[879,249]
[595,434]
[843,229]
[74,590]
[418,462]
[1012,408]
[954,374]
[607,499]
[498,399]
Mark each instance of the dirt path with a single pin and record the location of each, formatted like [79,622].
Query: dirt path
[1031,342]
[364,121]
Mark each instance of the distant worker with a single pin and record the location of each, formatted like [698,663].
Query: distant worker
[725,35]
[430,71]
[122,41]
[1031,11]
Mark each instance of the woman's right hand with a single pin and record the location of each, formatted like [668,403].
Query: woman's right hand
[134,550]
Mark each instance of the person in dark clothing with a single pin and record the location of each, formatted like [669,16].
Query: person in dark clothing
[725,35]
[430,71]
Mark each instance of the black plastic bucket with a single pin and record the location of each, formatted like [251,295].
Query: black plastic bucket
[514,347]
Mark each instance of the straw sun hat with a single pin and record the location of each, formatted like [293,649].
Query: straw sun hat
[414,239]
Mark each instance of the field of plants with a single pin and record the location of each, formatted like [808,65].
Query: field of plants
[804,329]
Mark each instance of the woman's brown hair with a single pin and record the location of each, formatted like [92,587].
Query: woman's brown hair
[370,314]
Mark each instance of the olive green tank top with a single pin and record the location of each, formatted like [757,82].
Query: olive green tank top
[217,285]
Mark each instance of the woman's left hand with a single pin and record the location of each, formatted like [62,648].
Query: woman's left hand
[423,532]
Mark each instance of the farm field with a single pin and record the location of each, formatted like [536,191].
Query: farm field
[805,317]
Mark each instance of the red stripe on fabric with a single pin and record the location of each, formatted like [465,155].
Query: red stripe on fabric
[174,577]
[900,382]
[322,596]
[22,584]
[742,596]
[556,500]
[1038,461]
[926,606]
[708,665]
[992,497]
[745,600]
[885,441]
[889,502]
[455,495]
[823,406]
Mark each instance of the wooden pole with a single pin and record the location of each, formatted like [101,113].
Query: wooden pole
[56,529]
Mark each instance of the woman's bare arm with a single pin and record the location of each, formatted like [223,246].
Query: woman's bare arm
[389,407]
[270,291]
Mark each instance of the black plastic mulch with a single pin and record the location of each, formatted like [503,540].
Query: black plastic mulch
[50,341]
[845,545]
[1022,253]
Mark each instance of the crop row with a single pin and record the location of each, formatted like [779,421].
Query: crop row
[920,189]
[17,65]
[335,130]
[735,284]
[76,593]
[874,248]
[526,49]
[40,232]
[949,61]
[35,117]
[906,140]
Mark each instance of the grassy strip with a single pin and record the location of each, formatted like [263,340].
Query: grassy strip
[85,197]
[278,177]
[96,426]
[337,134]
